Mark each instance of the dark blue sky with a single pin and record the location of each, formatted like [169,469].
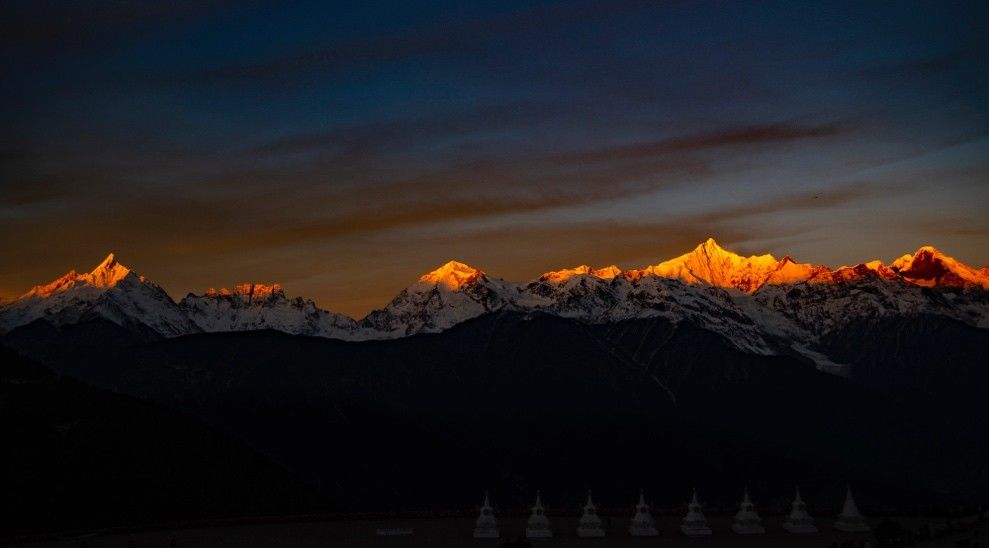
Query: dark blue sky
[344,149]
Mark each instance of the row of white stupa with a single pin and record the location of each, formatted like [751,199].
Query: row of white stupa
[747,520]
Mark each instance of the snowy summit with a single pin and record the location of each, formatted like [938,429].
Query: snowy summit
[757,303]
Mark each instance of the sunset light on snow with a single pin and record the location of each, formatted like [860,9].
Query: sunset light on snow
[496,274]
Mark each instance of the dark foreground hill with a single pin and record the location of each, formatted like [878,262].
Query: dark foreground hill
[75,456]
[515,403]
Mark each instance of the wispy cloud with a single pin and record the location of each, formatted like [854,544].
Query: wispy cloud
[616,240]
[740,136]
[274,206]
[361,141]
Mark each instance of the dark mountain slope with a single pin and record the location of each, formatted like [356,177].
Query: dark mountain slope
[917,358]
[482,401]
[76,456]
[864,429]
[518,402]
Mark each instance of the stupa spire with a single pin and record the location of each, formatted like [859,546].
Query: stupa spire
[747,520]
[642,523]
[799,521]
[850,519]
[694,523]
[590,523]
[486,525]
[538,524]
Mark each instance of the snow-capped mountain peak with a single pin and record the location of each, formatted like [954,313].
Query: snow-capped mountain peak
[110,291]
[248,291]
[105,275]
[788,271]
[929,267]
[561,276]
[108,272]
[453,275]
[711,264]
[263,306]
[608,272]
[451,294]
[862,271]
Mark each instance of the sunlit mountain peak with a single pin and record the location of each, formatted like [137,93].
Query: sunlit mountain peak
[108,272]
[452,275]
[788,271]
[930,267]
[104,276]
[248,291]
[561,276]
[862,271]
[709,263]
[607,272]
[110,291]
[925,255]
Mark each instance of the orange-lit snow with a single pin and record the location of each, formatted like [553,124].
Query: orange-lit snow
[106,274]
[452,275]
[711,264]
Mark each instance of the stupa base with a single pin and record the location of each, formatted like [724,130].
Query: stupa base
[852,527]
[695,530]
[799,528]
[590,532]
[643,531]
[748,529]
[487,533]
[538,533]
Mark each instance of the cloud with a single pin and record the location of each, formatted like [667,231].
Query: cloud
[459,193]
[947,226]
[331,196]
[375,138]
[740,136]
[824,198]
[635,237]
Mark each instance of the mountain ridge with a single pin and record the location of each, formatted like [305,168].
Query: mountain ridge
[111,291]
[763,305]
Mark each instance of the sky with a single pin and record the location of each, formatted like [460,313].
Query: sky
[343,150]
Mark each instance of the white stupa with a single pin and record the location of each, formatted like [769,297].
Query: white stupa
[799,521]
[590,522]
[538,525]
[642,523]
[747,520]
[486,525]
[850,520]
[694,523]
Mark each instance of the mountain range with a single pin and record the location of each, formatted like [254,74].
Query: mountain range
[709,370]
[759,304]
